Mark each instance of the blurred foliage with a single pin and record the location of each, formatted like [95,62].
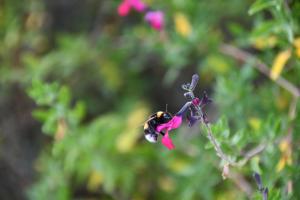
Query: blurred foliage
[96,77]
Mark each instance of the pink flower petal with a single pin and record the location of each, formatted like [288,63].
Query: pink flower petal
[155,19]
[162,127]
[124,8]
[138,5]
[167,142]
[174,123]
[176,120]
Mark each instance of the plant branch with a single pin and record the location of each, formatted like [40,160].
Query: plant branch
[293,108]
[242,183]
[198,114]
[243,56]
[247,156]
[217,147]
[251,153]
[239,180]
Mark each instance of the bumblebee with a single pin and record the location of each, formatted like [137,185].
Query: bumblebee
[150,125]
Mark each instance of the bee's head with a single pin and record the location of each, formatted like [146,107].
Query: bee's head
[163,117]
[167,116]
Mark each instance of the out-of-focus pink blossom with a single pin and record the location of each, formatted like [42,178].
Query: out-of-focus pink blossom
[138,5]
[126,5]
[155,19]
[124,8]
[174,123]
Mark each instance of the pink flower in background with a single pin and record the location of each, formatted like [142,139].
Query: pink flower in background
[125,7]
[138,5]
[174,123]
[155,19]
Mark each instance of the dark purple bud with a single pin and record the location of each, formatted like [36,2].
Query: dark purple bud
[184,108]
[265,193]
[194,82]
[257,178]
[264,190]
[192,120]
[205,100]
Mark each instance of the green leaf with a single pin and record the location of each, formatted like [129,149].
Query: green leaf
[266,28]
[64,96]
[49,127]
[40,114]
[255,165]
[43,93]
[208,145]
[260,5]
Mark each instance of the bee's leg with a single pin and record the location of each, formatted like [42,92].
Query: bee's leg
[151,135]
[162,133]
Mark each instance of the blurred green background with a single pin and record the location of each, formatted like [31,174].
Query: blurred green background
[77,82]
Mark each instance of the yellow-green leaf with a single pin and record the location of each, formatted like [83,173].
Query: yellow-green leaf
[265,42]
[297,46]
[95,180]
[255,123]
[286,154]
[182,24]
[127,139]
[279,63]
[166,183]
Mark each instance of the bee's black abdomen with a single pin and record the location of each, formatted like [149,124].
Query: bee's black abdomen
[148,128]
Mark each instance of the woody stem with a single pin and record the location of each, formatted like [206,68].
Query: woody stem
[217,147]
[250,154]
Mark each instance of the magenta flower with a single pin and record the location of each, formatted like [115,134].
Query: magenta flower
[166,140]
[196,101]
[155,19]
[125,7]
[174,123]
